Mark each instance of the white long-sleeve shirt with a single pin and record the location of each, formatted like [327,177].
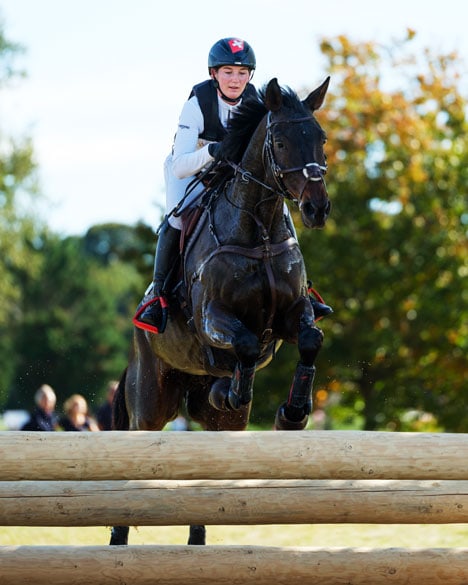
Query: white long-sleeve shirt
[189,153]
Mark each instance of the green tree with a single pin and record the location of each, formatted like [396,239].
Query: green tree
[133,244]
[19,226]
[392,259]
[393,255]
[75,334]
[64,303]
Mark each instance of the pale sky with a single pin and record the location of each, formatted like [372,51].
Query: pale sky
[107,80]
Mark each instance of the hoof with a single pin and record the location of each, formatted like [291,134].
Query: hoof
[218,394]
[282,423]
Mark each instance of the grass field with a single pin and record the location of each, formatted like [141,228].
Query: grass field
[324,535]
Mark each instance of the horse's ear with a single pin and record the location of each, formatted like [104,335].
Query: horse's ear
[315,99]
[273,96]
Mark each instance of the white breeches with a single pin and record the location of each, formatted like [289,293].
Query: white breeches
[175,191]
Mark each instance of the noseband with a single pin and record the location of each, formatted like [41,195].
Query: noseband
[312,171]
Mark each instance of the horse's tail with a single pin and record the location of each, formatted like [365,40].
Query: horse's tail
[120,421]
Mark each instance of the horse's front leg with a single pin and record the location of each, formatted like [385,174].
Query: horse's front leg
[225,330]
[294,413]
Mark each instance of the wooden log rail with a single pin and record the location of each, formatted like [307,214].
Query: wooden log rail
[162,478]
[232,455]
[225,565]
[249,502]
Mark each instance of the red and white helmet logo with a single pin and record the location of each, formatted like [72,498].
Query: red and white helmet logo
[236,45]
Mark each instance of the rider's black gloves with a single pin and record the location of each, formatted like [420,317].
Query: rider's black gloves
[215,150]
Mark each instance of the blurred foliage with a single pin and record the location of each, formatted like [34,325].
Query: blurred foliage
[75,329]
[19,228]
[132,244]
[392,260]
[9,51]
[64,302]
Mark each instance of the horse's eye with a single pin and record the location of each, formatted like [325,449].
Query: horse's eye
[279,144]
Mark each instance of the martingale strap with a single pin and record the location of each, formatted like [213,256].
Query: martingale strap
[265,252]
[258,253]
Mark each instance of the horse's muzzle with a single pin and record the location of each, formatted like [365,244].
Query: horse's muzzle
[313,215]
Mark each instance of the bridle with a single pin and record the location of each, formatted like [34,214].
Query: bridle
[312,171]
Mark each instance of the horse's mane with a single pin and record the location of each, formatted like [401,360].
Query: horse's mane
[248,117]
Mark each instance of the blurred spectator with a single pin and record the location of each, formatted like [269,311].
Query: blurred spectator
[43,417]
[104,412]
[76,415]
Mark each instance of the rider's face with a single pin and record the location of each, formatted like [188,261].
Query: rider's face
[232,80]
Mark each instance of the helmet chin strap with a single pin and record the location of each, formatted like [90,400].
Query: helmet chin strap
[225,97]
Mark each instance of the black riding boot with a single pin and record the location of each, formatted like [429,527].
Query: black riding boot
[320,309]
[166,251]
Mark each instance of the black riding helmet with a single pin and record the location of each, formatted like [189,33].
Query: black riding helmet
[231,51]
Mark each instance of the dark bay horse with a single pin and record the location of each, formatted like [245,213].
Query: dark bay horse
[245,283]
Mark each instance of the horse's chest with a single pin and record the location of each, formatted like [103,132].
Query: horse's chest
[250,287]
[265,273]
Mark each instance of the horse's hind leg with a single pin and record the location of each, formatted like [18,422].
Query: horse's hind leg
[148,396]
[294,413]
[119,535]
[197,535]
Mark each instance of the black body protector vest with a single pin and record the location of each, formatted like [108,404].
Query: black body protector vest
[207,97]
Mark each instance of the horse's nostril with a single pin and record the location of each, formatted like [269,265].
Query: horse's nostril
[309,208]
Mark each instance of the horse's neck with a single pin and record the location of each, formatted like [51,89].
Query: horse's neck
[254,210]
[252,213]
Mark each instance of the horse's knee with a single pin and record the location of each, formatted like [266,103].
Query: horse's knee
[310,342]
[247,347]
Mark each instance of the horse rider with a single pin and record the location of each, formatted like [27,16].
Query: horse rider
[203,123]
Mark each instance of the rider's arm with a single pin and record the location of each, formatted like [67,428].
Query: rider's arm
[190,154]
